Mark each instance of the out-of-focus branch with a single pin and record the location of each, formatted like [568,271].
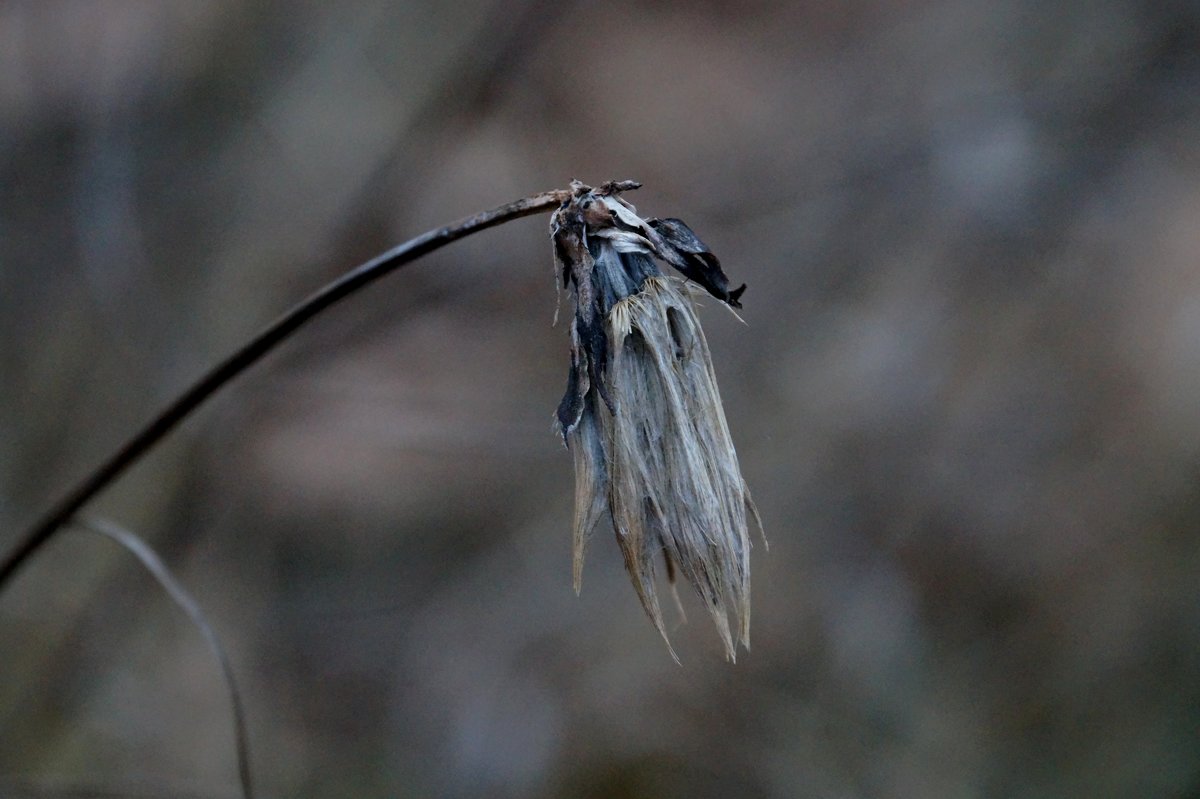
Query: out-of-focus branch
[179,595]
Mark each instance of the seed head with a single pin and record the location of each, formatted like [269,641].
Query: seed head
[642,415]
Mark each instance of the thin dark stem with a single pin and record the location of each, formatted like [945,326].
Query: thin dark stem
[275,333]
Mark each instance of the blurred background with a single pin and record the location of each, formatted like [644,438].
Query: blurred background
[965,397]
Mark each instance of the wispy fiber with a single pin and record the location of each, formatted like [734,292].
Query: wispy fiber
[642,414]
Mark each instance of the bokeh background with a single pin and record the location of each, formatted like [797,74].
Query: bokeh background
[966,396]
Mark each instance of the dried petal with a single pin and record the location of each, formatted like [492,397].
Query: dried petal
[684,251]
[591,484]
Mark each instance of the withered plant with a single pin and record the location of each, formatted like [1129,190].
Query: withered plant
[642,415]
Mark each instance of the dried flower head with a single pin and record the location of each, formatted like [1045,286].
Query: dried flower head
[642,414]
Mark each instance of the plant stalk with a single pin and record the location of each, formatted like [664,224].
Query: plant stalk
[270,337]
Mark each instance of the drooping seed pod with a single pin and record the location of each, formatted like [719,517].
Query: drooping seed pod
[642,415]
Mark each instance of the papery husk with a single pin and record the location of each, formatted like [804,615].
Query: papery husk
[642,415]
[664,463]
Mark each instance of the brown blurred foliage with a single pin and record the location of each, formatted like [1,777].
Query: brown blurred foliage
[965,397]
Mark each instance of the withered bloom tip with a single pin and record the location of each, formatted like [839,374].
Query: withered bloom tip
[642,415]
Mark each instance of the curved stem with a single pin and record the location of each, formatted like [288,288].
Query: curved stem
[182,599]
[270,337]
